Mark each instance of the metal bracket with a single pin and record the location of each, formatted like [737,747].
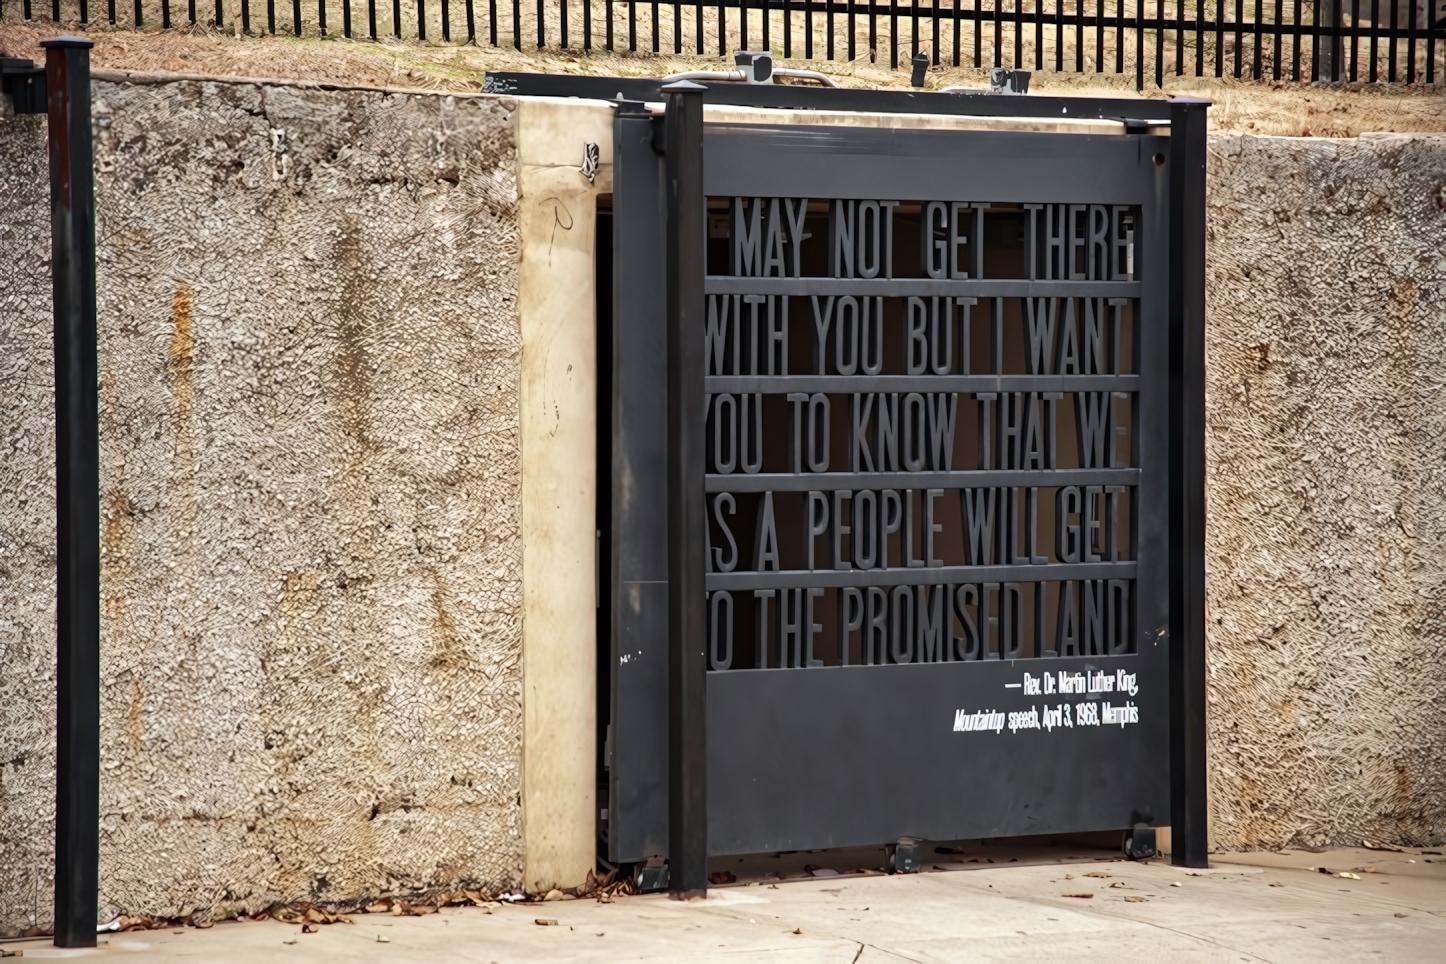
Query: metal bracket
[24,82]
[906,856]
[1004,81]
[1139,843]
[652,876]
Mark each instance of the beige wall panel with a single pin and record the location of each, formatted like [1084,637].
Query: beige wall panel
[559,486]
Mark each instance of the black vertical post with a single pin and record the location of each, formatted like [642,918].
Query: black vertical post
[77,493]
[687,520]
[1189,828]
[1327,31]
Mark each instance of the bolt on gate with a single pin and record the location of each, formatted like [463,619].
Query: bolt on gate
[948,435]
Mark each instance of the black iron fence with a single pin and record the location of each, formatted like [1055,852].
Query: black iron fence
[1296,40]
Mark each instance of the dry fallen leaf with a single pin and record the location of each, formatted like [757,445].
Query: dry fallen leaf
[1076,895]
[1120,884]
[1400,914]
[382,940]
[406,909]
[1348,874]
[1137,900]
[545,922]
[307,929]
[378,907]
[1096,873]
[798,930]
[1177,884]
[553,894]
[1277,885]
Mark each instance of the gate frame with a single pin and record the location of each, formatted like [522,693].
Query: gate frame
[1189,806]
[61,90]
[77,492]
[1186,466]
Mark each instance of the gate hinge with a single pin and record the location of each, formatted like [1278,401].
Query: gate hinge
[23,81]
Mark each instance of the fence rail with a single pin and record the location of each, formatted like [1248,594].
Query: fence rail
[1315,40]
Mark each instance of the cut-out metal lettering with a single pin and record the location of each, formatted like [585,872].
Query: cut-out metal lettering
[962,435]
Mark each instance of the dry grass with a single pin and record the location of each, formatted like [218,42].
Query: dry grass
[1276,108]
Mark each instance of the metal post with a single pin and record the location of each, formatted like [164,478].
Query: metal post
[1190,843]
[1328,32]
[687,520]
[77,493]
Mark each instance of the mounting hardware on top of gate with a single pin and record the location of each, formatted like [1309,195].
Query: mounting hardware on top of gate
[1002,80]
[24,82]
[921,65]
[906,856]
[757,66]
[1139,843]
[754,67]
[1005,81]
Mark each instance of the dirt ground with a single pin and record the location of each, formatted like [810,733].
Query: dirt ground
[1266,108]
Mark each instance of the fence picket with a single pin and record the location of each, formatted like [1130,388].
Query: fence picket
[1326,32]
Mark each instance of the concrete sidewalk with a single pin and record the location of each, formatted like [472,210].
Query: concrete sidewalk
[1238,911]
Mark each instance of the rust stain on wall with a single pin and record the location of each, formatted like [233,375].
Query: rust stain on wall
[180,365]
[135,719]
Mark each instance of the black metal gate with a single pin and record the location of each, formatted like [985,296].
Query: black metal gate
[938,386]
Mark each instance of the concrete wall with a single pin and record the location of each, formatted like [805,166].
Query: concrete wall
[311,499]
[27,530]
[1327,460]
[347,416]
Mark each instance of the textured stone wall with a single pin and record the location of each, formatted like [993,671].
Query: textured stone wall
[27,530]
[311,478]
[1327,466]
[312,486]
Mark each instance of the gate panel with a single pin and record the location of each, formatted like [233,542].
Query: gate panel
[637,742]
[839,757]
[937,487]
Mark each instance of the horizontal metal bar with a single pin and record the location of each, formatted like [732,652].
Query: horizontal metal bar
[977,478]
[921,287]
[836,578]
[848,384]
[913,101]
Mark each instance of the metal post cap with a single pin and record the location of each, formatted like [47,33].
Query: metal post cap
[68,42]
